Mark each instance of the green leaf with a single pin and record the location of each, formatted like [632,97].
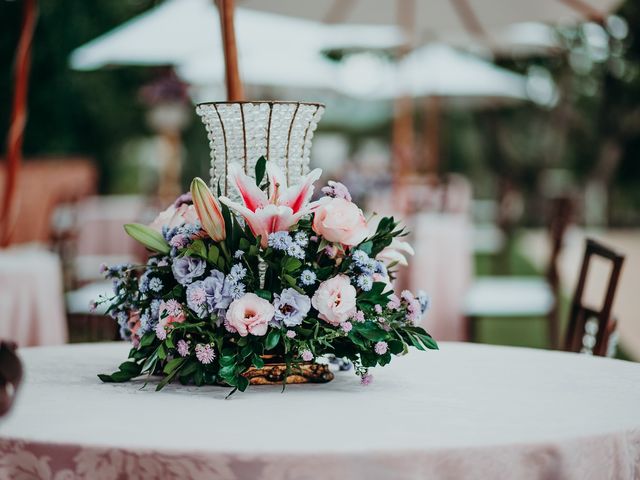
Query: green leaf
[242,383]
[148,237]
[198,248]
[147,339]
[227,360]
[272,339]
[173,364]
[264,294]
[189,367]
[257,361]
[289,279]
[105,378]
[261,167]
[214,254]
[291,264]
[131,368]
[366,247]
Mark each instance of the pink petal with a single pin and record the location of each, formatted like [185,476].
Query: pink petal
[251,194]
[297,196]
[277,181]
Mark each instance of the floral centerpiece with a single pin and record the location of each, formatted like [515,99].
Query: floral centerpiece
[263,286]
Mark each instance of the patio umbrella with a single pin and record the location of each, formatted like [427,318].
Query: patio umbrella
[428,19]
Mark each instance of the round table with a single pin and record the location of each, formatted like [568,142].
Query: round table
[466,411]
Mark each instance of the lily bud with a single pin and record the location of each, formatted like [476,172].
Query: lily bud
[208,210]
[148,237]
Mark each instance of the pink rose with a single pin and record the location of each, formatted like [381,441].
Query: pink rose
[174,217]
[335,300]
[250,314]
[170,312]
[339,220]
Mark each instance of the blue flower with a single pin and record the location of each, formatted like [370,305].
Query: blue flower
[296,251]
[186,269]
[279,240]
[154,308]
[238,254]
[291,307]
[360,258]
[237,290]
[143,282]
[302,239]
[307,277]
[238,272]
[365,282]
[424,300]
[155,284]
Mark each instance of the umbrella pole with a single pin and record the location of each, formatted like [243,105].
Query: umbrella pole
[18,118]
[235,92]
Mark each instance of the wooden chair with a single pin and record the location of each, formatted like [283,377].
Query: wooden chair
[590,330]
[523,298]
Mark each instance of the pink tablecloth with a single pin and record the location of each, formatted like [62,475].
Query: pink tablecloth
[31,297]
[464,412]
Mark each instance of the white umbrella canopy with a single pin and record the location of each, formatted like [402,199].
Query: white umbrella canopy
[433,71]
[177,30]
[429,19]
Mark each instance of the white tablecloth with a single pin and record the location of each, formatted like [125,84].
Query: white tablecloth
[31,297]
[466,411]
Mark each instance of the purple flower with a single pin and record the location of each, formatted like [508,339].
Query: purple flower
[381,348]
[346,326]
[366,379]
[197,298]
[186,269]
[179,241]
[359,316]
[290,334]
[183,199]
[218,291]
[183,348]
[337,190]
[306,355]
[291,307]
[378,308]
[205,354]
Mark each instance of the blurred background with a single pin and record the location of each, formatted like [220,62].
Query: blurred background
[502,143]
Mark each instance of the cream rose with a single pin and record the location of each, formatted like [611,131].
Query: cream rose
[250,314]
[339,220]
[335,300]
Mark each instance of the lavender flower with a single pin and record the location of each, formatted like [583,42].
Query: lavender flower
[183,348]
[336,190]
[365,282]
[381,348]
[291,307]
[147,323]
[186,269]
[359,258]
[197,298]
[154,306]
[290,334]
[378,308]
[161,332]
[296,251]
[358,316]
[143,282]
[205,354]
[307,277]
[155,284]
[179,241]
[366,379]
[346,327]
[279,240]
[306,355]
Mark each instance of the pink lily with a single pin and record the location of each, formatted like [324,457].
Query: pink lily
[281,210]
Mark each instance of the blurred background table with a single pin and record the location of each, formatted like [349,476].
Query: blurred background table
[31,295]
[466,411]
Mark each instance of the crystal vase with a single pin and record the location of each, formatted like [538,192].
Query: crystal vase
[242,132]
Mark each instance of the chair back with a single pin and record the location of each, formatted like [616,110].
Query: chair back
[589,328]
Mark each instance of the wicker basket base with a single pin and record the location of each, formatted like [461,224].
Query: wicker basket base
[274,373]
